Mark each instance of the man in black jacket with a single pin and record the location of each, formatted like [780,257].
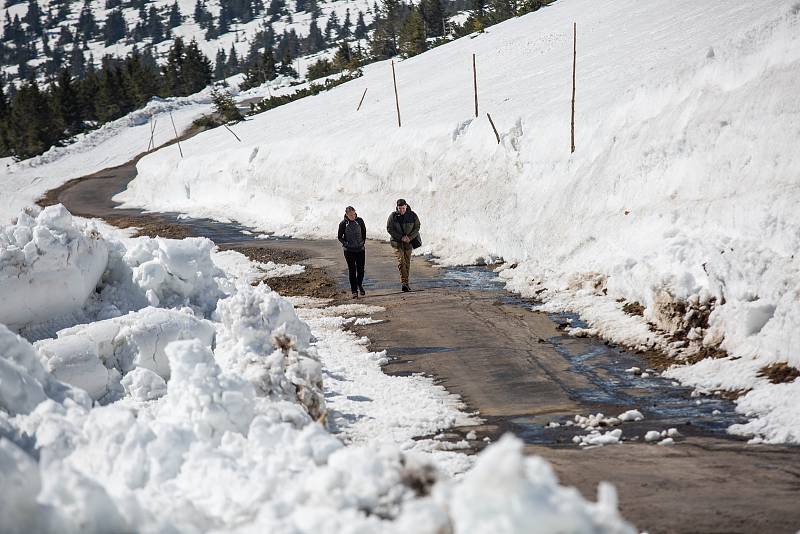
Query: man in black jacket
[403,227]
[353,236]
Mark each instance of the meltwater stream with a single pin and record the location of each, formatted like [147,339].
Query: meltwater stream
[613,389]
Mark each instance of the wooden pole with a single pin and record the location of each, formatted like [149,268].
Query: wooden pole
[362,99]
[475,84]
[396,98]
[574,54]
[176,133]
[497,135]
[231,131]
[152,143]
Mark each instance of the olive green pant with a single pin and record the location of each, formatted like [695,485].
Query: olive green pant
[403,263]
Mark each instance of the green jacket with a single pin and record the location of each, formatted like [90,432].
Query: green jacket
[399,225]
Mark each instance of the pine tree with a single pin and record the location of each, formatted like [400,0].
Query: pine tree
[111,4]
[343,59]
[172,69]
[315,40]
[220,65]
[65,103]
[196,72]
[300,6]
[361,27]
[277,9]
[347,26]
[114,29]
[33,18]
[233,61]
[64,37]
[387,27]
[155,27]
[174,19]
[225,18]
[412,34]
[225,107]
[201,15]
[433,14]
[77,63]
[332,26]
[87,25]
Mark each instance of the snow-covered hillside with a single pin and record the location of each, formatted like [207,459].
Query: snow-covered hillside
[681,195]
[238,37]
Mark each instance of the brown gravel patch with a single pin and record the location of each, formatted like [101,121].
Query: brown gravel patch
[780,373]
[151,226]
[313,282]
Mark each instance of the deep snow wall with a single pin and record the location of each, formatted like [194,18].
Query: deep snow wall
[685,177]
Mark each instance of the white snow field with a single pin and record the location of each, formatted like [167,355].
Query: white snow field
[177,397]
[681,194]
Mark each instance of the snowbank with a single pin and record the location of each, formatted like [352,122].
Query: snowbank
[680,196]
[48,266]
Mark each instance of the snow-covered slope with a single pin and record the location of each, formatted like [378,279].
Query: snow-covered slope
[681,195]
[238,37]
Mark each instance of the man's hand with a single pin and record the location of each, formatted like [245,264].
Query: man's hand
[405,239]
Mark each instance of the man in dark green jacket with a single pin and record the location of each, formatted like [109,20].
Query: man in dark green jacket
[403,227]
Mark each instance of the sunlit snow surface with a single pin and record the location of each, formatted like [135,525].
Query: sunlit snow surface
[683,185]
[177,397]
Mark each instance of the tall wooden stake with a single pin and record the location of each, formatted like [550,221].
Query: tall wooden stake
[231,131]
[396,99]
[176,134]
[497,135]
[362,99]
[475,84]
[574,54]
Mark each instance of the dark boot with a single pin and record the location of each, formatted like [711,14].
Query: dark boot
[355,295]
[406,288]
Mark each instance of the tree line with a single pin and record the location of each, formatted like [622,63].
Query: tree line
[36,118]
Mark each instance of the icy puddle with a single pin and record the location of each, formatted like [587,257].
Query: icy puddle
[619,381]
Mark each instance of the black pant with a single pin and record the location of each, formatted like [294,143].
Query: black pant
[355,268]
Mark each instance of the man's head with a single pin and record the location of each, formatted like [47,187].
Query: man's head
[350,213]
[401,206]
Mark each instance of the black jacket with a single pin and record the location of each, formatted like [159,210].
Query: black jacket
[351,239]
[399,225]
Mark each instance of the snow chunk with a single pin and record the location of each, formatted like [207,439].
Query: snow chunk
[142,384]
[507,492]
[631,415]
[49,265]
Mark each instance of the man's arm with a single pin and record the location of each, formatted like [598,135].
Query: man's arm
[363,229]
[415,230]
[390,227]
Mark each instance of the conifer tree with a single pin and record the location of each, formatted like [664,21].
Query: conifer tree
[277,9]
[225,18]
[433,14]
[332,26]
[33,18]
[174,20]
[114,29]
[220,65]
[233,61]
[155,27]
[87,25]
[346,29]
[412,34]
[387,27]
[300,6]
[361,27]
[315,40]
[196,72]
[65,103]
